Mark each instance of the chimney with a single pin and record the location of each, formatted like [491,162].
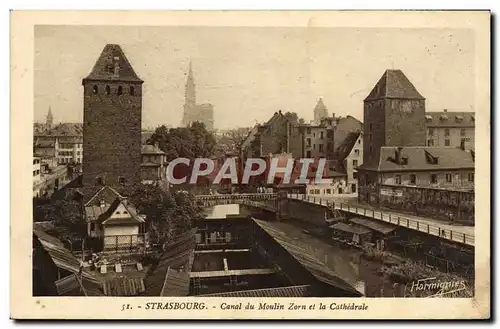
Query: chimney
[397,155]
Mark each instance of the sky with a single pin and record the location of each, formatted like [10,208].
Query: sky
[248,73]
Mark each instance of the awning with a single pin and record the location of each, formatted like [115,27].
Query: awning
[375,225]
[350,229]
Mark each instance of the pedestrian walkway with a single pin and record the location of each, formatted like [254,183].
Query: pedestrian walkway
[456,233]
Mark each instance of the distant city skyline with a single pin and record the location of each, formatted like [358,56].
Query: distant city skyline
[248,73]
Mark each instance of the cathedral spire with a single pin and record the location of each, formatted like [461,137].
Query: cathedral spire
[50,118]
[190,87]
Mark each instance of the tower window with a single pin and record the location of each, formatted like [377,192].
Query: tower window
[95,90]
[132,90]
[120,90]
[108,90]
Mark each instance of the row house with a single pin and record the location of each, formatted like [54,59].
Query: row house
[153,164]
[450,129]
[440,168]
[64,142]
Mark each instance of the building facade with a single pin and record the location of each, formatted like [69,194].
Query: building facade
[63,141]
[352,159]
[36,169]
[153,165]
[112,121]
[450,129]
[196,112]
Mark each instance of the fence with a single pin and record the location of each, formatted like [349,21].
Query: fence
[124,243]
[392,218]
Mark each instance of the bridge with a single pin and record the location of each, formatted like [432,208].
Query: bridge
[274,202]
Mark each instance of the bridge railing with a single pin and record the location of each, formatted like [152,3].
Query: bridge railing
[243,196]
[396,219]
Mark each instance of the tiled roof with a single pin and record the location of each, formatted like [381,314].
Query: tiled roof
[176,283]
[346,147]
[106,193]
[45,144]
[450,119]
[394,84]
[301,251]
[104,69]
[105,217]
[178,255]
[375,225]
[423,158]
[292,291]
[72,285]
[123,286]
[150,149]
[350,228]
[62,257]
[63,129]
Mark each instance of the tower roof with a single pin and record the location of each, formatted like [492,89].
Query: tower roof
[112,64]
[394,84]
[320,106]
[49,114]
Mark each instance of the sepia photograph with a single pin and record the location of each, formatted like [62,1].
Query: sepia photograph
[223,171]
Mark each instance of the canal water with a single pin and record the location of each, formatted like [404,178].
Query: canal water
[348,263]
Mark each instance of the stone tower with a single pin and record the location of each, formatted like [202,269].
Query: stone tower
[320,111]
[394,115]
[112,105]
[50,119]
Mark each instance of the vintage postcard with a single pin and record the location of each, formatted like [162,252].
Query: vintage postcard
[250,165]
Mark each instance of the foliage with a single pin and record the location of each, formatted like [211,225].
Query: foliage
[168,214]
[66,215]
[190,142]
[410,272]
[231,141]
[292,117]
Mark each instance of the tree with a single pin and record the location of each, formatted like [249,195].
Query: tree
[232,141]
[65,215]
[190,142]
[292,117]
[168,214]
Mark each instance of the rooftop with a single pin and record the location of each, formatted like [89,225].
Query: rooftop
[394,84]
[422,158]
[450,119]
[151,149]
[112,64]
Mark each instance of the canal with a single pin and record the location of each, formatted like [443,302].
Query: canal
[349,264]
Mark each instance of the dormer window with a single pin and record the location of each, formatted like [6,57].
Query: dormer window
[121,180]
[443,117]
[428,118]
[100,181]
[108,90]
[459,118]
[472,118]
